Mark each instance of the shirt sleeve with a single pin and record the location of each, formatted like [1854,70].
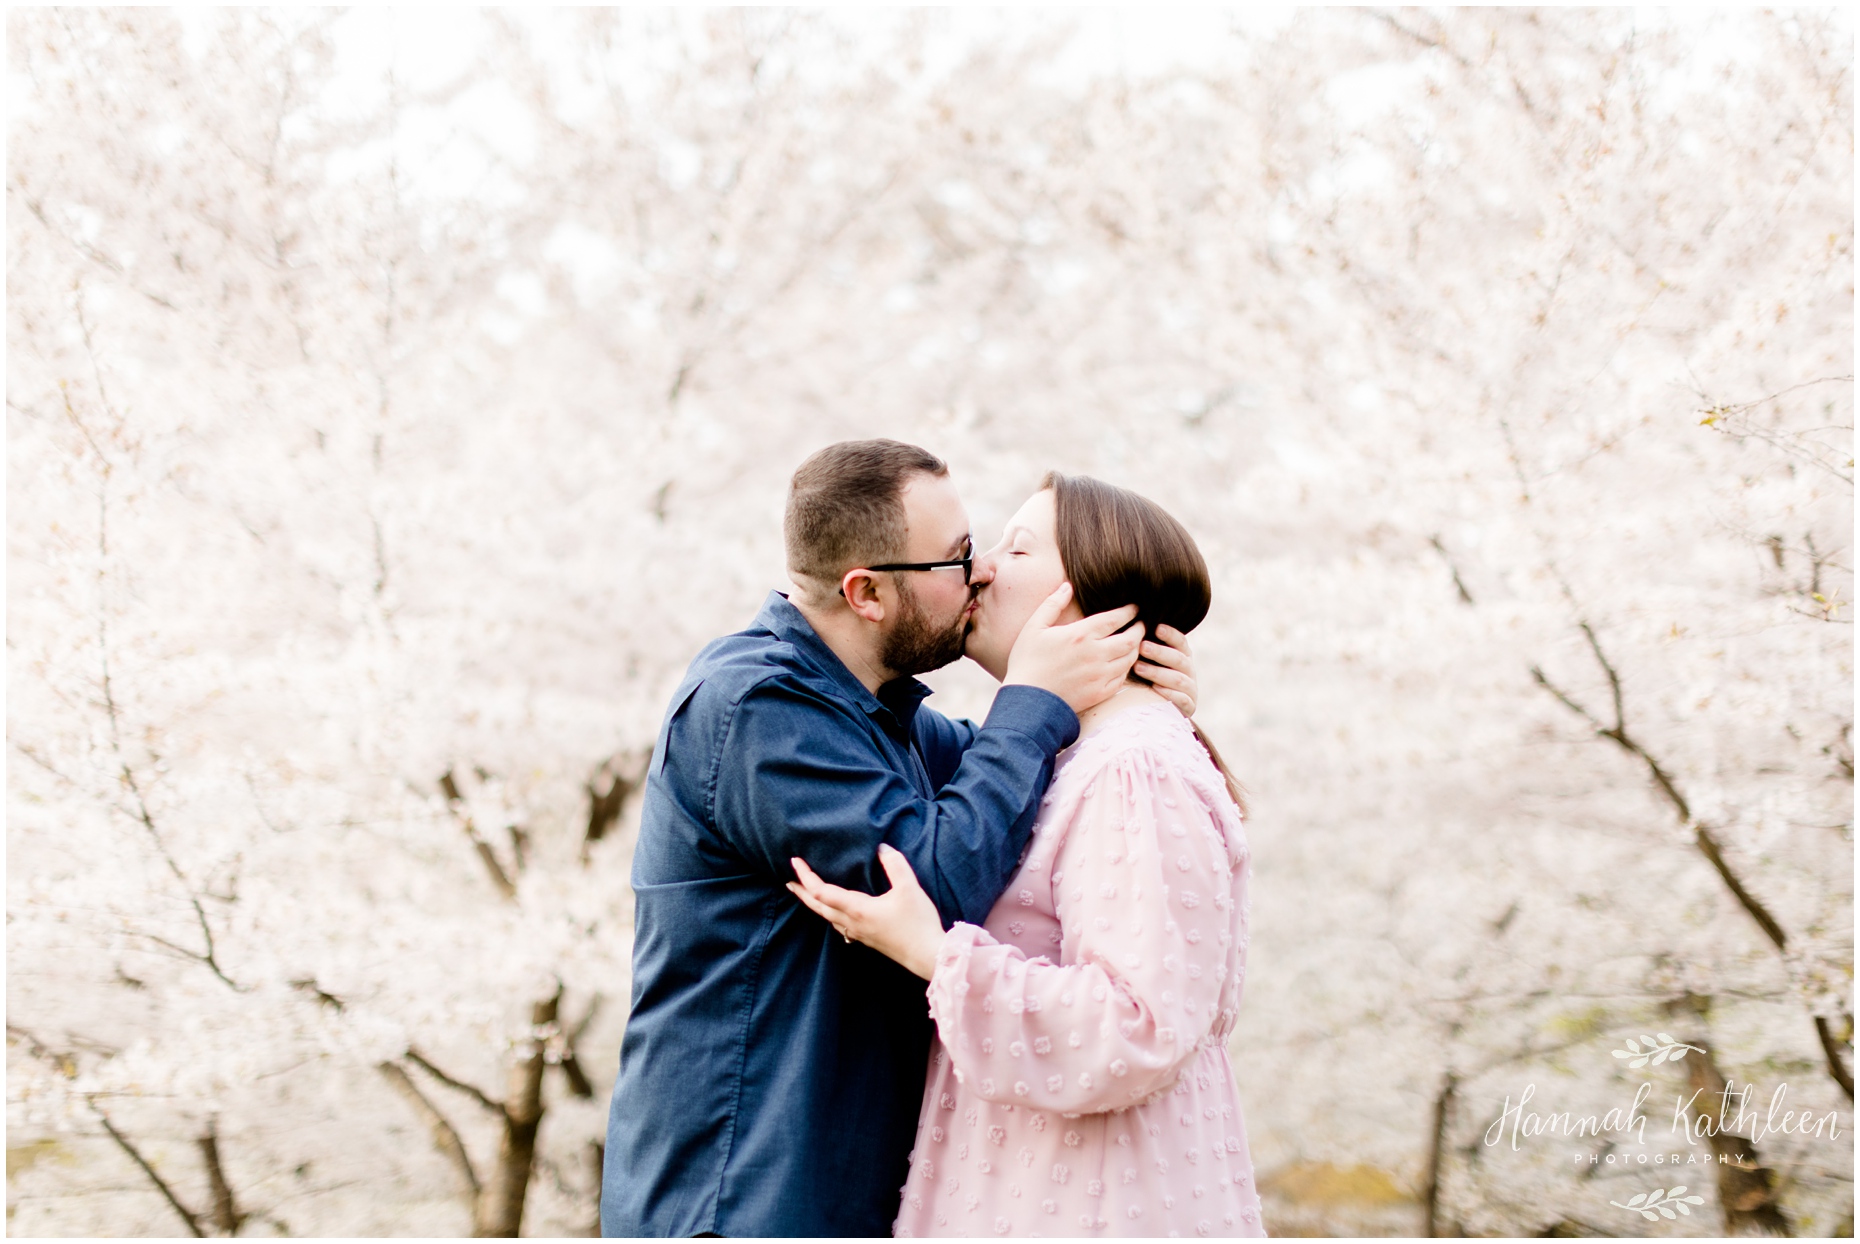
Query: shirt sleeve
[802,773]
[943,741]
[1142,887]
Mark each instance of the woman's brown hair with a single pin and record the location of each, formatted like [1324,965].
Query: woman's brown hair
[1119,549]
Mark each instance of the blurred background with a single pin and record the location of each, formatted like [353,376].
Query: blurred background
[397,401]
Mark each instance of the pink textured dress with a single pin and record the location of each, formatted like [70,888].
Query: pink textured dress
[1080,1083]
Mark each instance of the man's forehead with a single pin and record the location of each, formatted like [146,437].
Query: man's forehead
[933,512]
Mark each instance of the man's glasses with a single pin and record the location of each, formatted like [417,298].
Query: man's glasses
[966,561]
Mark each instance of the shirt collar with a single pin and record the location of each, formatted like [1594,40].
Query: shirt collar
[897,699]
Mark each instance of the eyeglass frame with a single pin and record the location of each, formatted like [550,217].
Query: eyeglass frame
[967,564]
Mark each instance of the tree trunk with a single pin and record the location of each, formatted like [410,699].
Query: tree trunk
[1436,1154]
[224,1213]
[1746,1188]
[500,1209]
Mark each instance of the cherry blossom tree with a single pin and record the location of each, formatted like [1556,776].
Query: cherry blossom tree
[396,403]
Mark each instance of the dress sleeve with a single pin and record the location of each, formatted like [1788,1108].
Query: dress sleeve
[1142,887]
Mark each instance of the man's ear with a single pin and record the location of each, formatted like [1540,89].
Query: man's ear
[860,588]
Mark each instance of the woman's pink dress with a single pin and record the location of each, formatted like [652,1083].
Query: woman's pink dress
[1080,1083]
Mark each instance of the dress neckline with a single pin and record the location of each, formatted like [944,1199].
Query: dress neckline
[1112,727]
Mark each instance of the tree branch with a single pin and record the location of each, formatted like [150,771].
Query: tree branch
[604,807]
[1831,1048]
[37,208]
[141,814]
[1707,843]
[1452,569]
[206,960]
[445,1136]
[1709,846]
[308,985]
[65,1064]
[1721,416]
[1538,675]
[60,1061]
[472,1091]
[187,1215]
[455,803]
[1842,749]
[578,1082]
[1614,679]
[1617,733]
[1425,41]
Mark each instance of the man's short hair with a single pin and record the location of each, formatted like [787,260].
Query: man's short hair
[845,508]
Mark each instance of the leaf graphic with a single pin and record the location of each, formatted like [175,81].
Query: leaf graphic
[1676,1191]
[1639,1062]
[1649,1215]
[1678,1052]
[1693,1200]
[1666,1213]
[1655,1195]
[1660,1057]
[1635,1201]
[1683,1207]
[1623,1054]
[1649,1042]
[1632,1046]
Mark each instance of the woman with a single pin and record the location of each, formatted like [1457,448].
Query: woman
[1080,1083]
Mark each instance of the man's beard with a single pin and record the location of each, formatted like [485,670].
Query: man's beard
[916,645]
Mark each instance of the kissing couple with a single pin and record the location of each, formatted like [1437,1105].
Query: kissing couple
[1069,878]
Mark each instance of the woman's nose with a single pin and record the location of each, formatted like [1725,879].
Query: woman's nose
[982,571]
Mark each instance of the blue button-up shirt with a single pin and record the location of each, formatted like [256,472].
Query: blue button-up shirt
[771,1073]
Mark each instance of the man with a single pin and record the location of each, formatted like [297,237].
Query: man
[771,1072]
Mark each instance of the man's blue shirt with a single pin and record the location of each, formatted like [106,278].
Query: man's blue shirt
[771,1073]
